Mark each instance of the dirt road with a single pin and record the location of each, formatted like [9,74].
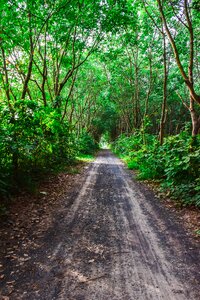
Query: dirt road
[111,240]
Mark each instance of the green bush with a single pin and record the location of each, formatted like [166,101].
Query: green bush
[32,138]
[176,163]
[86,144]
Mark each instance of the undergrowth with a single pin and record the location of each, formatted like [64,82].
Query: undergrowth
[85,157]
[35,143]
[175,164]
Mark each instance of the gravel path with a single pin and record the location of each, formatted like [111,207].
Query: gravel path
[114,241]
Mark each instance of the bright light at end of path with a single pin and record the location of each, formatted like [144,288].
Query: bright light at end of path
[101,160]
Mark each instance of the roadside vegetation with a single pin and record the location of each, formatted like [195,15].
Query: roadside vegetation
[174,164]
[78,74]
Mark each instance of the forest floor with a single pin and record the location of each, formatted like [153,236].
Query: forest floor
[98,234]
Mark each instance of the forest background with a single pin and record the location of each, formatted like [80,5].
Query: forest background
[74,73]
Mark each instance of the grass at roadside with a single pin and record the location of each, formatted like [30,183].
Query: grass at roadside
[85,158]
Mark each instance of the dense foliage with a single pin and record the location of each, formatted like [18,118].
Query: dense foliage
[74,71]
[175,163]
[32,139]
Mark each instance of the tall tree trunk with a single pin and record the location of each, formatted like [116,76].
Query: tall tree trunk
[187,78]
[6,82]
[44,72]
[150,86]
[30,65]
[146,108]
[136,86]
[136,110]
[164,104]
[194,118]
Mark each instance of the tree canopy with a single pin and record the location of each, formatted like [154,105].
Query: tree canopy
[72,71]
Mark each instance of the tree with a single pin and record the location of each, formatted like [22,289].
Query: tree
[184,14]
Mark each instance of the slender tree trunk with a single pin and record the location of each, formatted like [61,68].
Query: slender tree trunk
[164,104]
[30,65]
[150,86]
[132,84]
[195,118]
[6,82]
[69,94]
[136,88]
[44,72]
[146,108]
[136,110]
[187,78]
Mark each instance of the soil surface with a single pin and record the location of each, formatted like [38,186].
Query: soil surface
[109,238]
